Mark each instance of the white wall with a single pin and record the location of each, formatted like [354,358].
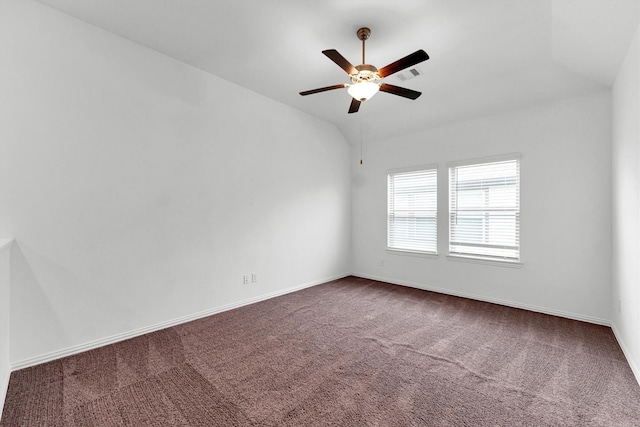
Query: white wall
[5,362]
[565,208]
[626,206]
[139,189]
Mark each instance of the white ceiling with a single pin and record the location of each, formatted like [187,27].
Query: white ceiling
[487,56]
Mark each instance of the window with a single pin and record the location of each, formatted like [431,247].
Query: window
[484,210]
[412,211]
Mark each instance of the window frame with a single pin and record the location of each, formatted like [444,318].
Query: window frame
[486,258]
[432,168]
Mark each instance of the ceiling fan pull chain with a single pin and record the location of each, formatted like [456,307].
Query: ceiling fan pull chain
[361,131]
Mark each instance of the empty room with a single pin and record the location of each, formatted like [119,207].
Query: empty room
[295,213]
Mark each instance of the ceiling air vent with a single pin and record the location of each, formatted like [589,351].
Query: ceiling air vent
[409,74]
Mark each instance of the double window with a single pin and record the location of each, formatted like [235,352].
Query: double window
[484,210]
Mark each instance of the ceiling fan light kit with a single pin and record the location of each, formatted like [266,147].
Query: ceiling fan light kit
[363,90]
[366,80]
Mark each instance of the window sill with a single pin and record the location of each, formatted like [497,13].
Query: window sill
[393,251]
[486,261]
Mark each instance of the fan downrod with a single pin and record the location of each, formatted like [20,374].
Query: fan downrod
[363,34]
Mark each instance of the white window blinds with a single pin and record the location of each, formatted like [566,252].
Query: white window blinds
[484,210]
[412,211]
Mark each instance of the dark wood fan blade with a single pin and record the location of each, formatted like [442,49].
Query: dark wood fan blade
[355,106]
[406,62]
[342,62]
[323,89]
[400,91]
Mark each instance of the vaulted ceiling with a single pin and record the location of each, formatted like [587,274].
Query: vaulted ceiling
[487,56]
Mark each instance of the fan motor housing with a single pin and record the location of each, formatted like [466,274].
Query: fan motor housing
[366,73]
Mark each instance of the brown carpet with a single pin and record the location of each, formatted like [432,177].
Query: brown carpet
[352,352]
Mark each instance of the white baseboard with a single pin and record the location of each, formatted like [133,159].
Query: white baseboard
[162,325]
[560,313]
[632,364]
[152,328]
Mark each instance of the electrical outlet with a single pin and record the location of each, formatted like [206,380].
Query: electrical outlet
[254,277]
[245,279]
[381,263]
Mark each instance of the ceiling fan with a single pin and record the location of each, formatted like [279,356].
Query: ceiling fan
[366,80]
